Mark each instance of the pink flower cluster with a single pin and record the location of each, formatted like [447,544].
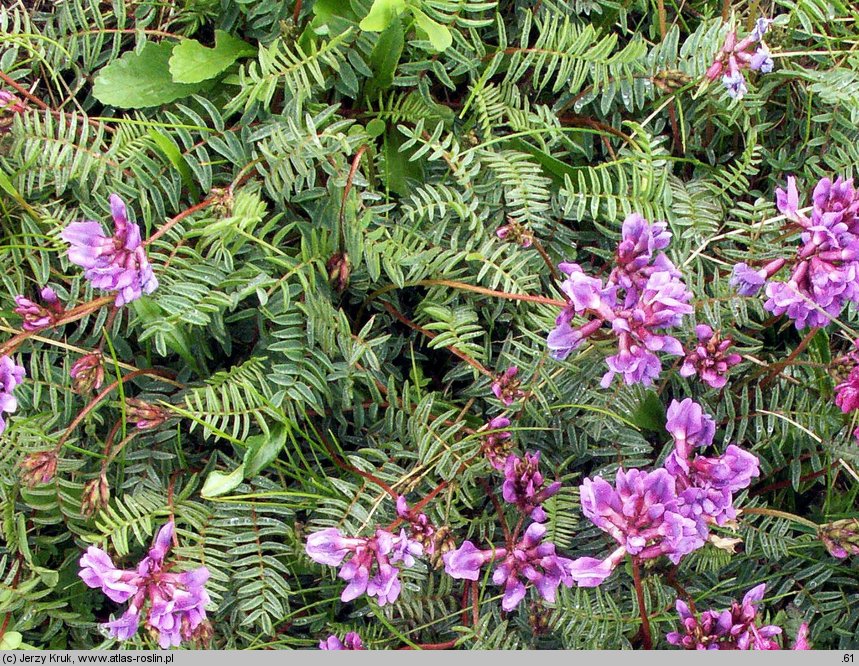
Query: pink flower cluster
[11,375]
[667,511]
[176,601]
[642,298]
[825,272]
[736,56]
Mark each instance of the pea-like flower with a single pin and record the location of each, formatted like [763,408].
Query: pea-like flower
[709,358]
[368,566]
[37,316]
[11,375]
[112,263]
[176,601]
[523,485]
[351,641]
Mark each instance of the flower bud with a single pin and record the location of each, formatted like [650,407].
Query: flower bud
[443,543]
[87,373]
[339,270]
[841,538]
[9,106]
[145,415]
[39,467]
[96,494]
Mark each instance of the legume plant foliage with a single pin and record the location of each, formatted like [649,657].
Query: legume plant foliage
[429,324]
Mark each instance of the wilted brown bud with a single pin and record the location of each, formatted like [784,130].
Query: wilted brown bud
[223,197]
[202,636]
[38,467]
[145,415]
[513,232]
[442,543]
[96,495]
[841,538]
[87,373]
[669,80]
[339,270]
[9,106]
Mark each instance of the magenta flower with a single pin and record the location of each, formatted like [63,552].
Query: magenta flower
[11,375]
[801,642]
[514,232]
[523,485]
[736,56]
[530,559]
[689,425]
[825,272]
[506,386]
[9,106]
[87,373]
[643,296]
[176,601]
[733,629]
[641,513]
[422,530]
[709,359]
[39,315]
[112,263]
[351,641]
[368,568]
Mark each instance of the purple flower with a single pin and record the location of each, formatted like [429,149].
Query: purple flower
[787,201]
[733,629]
[735,83]
[537,562]
[87,373]
[523,485]
[351,641]
[708,359]
[496,442]
[641,514]
[177,601]
[689,426]
[365,556]
[466,561]
[11,375]
[514,232]
[747,281]
[112,263]
[802,638]
[591,572]
[761,27]
[761,60]
[640,240]
[37,316]
[506,386]
[422,530]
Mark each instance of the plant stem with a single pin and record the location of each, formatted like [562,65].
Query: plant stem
[642,609]
[775,513]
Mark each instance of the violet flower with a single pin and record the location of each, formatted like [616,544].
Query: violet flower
[87,373]
[37,316]
[523,485]
[643,296]
[709,359]
[176,601]
[351,641]
[535,562]
[368,561]
[11,375]
[112,263]
[736,56]
[825,272]
[422,530]
[733,629]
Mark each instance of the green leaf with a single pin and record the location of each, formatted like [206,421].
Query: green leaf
[192,62]
[11,641]
[650,414]
[438,35]
[171,151]
[139,80]
[263,449]
[386,56]
[382,14]
[218,483]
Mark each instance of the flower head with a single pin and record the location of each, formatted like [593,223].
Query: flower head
[39,467]
[841,537]
[143,415]
[87,373]
[735,83]
[709,359]
[523,485]
[176,601]
[112,263]
[37,316]
[496,443]
[506,386]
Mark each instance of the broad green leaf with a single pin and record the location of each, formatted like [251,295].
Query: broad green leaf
[650,413]
[438,35]
[218,483]
[139,80]
[11,641]
[386,56]
[263,449]
[381,14]
[192,62]
[171,151]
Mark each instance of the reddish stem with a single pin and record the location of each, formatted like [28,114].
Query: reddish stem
[642,608]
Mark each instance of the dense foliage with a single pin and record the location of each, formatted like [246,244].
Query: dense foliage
[350,225]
